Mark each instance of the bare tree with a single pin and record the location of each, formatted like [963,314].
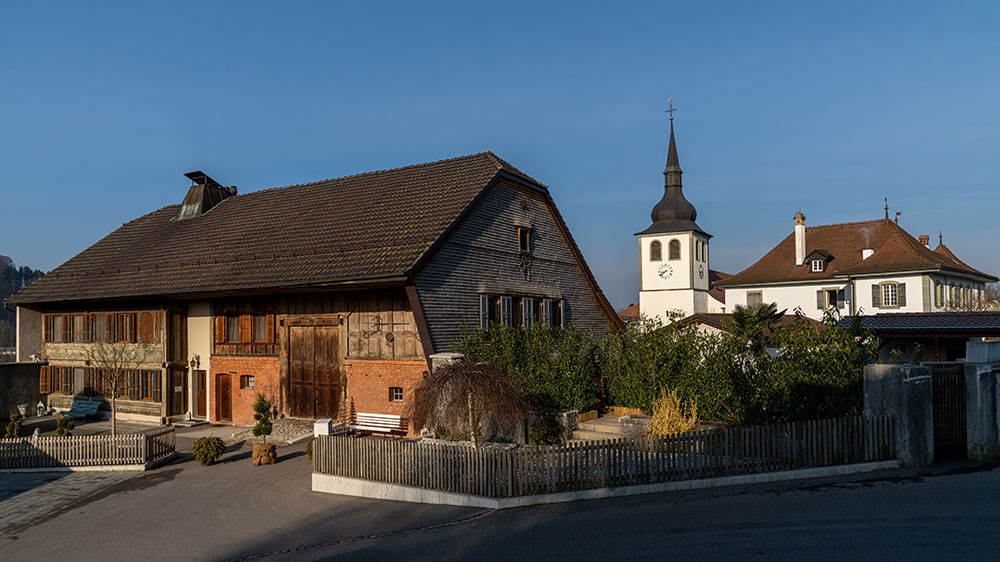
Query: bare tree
[474,396]
[113,362]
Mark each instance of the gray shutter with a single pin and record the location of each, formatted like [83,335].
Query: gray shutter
[841,298]
[484,312]
[902,294]
[562,313]
[528,311]
[505,311]
[820,300]
[876,296]
[547,313]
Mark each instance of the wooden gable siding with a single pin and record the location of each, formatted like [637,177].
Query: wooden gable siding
[481,257]
[378,324]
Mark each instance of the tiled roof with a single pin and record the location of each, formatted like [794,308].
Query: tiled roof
[367,226]
[724,321]
[894,250]
[630,312]
[983,323]
[715,291]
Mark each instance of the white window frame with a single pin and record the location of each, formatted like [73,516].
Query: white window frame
[890,295]
[817,266]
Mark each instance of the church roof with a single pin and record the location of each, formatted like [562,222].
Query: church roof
[673,213]
[895,250]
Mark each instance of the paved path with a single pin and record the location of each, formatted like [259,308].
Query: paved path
[29,497]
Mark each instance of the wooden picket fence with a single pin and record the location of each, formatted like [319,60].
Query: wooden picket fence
[522,471]
[88,450]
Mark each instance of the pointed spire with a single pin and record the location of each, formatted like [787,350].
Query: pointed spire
[940,238]
[886,208]
[673,213]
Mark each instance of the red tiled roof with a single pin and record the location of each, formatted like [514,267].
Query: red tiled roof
[894,250]
[630,312]
[367,226]
[714,290]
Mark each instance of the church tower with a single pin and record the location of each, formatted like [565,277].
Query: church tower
[673,251]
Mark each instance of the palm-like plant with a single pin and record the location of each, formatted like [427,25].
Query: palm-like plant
[756,322]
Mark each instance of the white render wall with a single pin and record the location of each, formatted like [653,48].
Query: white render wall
[790,297]
[199,335]
[804,295]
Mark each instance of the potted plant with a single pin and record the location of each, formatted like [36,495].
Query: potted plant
[262,452]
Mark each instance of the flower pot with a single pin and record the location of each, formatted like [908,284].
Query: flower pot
[264,454]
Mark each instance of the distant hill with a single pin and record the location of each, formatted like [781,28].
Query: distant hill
[12,280]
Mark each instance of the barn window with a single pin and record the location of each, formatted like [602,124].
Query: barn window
[246,382]
[674,250]
[395,394]
[523,239]
[655,251]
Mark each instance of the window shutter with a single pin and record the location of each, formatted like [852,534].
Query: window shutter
[527,311]
[505,311]
[157,326]
[67,328]
[819,299]
[484,312]
[841,298]
[220,329]
[901,294]
[270,328]
[131,327]
[44,382]
[876,296]
[562,313]
[156,383]
[547,313]
[245,328]
[47,328]
[86,327]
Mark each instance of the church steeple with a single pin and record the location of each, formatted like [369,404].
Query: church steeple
[673,213]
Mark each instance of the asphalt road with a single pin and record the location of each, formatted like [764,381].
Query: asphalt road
[237,511]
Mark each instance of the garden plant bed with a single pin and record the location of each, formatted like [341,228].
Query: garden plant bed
[284,432]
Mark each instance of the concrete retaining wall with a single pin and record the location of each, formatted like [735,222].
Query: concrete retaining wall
[18,385]
[905,392]
[379,490]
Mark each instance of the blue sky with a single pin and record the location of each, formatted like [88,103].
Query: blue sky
[824,108]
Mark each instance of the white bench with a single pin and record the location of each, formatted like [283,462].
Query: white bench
[382,423]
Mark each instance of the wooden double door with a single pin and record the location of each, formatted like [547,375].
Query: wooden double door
[314,370]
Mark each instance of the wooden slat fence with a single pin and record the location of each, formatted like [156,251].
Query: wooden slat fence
[586,465]
[87,450]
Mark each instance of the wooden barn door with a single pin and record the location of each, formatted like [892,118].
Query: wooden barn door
[314,371]
[223,397]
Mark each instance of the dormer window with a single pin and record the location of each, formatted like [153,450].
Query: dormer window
[818,265]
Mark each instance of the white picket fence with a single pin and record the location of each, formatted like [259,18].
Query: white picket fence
[87,450]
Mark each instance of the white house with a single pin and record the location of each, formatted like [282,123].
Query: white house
[857,268]
[674,274]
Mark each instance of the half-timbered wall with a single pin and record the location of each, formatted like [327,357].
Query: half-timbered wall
[483,257]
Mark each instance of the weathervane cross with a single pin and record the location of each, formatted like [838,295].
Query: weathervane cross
[670,102]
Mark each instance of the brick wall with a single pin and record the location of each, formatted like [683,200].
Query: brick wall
[266,372]
[368,383]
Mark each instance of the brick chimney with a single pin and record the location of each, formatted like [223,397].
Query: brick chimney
[925,240]
[800,238]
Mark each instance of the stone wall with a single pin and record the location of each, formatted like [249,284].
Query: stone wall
[633,426]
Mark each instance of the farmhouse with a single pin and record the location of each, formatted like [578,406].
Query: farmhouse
[329,297]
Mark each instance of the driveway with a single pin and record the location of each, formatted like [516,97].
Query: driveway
[186,511]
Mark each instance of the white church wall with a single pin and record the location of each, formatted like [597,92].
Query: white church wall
[680,270]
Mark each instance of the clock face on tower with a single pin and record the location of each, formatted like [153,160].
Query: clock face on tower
[701,270]
[665,271]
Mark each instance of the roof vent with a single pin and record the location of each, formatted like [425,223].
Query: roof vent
[867,253]
[925,240]
[204,194]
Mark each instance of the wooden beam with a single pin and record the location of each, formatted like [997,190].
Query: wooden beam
[421,322]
